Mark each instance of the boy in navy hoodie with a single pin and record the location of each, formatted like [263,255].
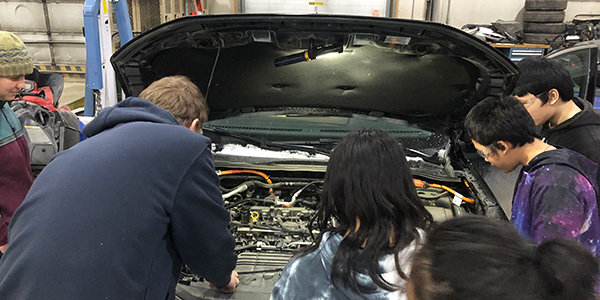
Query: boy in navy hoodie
[115,216]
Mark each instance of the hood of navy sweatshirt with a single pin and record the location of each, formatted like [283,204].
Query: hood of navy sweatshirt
[129,110]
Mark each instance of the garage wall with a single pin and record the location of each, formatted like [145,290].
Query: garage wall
[405,8]
[460,12]
[582,7]
[410,9]
[351,7]
[57,40]
[486,11]
[220,6]
[346,7]
[454,12]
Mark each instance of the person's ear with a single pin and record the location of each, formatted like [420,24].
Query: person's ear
[503,146]
[553,96]
[195,126]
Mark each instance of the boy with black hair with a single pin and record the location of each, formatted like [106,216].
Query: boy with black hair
[545,88]
[555,194]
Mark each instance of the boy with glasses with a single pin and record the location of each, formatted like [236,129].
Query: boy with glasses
[545,88]
[555,195]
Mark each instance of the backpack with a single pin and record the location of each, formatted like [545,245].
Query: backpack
[47,132]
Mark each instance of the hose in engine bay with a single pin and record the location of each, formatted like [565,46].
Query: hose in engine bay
[296,194]
[423,184]
[262,184]
[263,175]
[245,185]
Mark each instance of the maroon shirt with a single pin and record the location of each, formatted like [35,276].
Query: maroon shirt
[15,169]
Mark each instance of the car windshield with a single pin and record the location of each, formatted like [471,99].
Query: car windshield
[324,131]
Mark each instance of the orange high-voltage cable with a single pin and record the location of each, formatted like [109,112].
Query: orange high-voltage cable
[423,184]
[263,175]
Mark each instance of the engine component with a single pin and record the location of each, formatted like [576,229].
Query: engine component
[270,224]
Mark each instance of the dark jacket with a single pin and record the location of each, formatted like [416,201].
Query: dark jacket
[15,167]
[308,277]
[555,197]
[114,216]
[580,133]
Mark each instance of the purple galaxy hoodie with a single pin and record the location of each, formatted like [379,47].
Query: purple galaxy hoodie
[555,198]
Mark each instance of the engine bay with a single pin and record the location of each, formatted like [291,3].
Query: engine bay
[270,214]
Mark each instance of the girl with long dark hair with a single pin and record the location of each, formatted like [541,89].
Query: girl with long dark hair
[370,220]
[475,258]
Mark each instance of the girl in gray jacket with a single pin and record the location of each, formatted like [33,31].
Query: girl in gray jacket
[370,220]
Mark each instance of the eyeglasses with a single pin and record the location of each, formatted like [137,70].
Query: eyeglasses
[529,101]
[483,153]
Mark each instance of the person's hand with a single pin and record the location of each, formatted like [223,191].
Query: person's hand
[233,282]
[5,246]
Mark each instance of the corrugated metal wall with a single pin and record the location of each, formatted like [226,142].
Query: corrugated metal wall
[52,30]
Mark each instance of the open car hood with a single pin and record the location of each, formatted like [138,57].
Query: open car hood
[420,72]
[265,120]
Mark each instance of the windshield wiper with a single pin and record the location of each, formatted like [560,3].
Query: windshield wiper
[430,158]
[268,144]
[433,158]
